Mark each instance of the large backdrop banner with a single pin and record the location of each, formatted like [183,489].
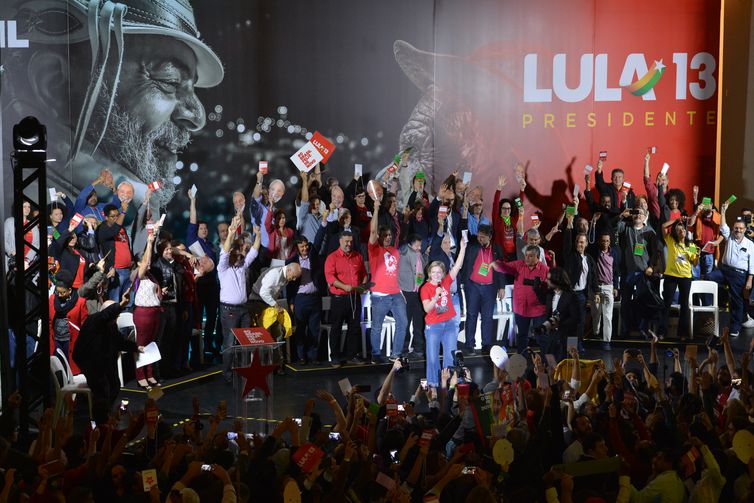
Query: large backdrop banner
[198,92]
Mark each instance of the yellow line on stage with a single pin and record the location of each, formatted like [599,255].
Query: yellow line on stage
[179,383]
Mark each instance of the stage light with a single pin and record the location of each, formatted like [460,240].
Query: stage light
[29,135]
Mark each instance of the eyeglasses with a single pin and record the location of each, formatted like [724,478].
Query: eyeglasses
[506,208]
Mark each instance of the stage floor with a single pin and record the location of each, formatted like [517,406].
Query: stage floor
[291,391]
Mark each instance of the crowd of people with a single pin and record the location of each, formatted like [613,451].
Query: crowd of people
[419,263]
[625,430]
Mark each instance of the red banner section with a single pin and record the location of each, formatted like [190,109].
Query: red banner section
[552,94]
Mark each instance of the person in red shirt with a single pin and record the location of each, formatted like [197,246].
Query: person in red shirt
[386,293]
[346,276]
[440,313]
[114,244]
[70,258]
[67,314]
[481,284]
[504,221]
[530,283]
[281,237]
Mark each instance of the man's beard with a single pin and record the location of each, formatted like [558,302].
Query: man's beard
[128,144]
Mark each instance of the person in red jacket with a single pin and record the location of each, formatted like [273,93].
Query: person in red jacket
[281,238]
[504,220]
[67,314]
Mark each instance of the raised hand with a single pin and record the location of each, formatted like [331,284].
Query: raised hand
[501,181]
[324,395]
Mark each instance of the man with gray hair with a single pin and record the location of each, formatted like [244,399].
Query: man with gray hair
[638,247]
[532,237]
[125,94]
[124,193]
[530,283]
[262,208]
[265,293]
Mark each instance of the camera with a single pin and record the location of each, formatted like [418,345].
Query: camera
[535,283]
[549,325]
[458,367]
[634,213]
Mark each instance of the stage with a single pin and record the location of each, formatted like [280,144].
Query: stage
[300,383]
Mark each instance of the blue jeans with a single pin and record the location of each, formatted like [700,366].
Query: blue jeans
[124,281]
[381,305]
[523,324]
[736,280]
[480,299]
[445,333]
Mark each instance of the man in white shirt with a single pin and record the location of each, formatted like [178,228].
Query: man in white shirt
[736,268]
[582,427]
[265,293]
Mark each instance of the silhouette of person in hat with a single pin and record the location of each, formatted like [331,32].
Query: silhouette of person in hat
[115,83]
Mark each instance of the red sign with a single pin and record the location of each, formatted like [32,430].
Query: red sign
[254,336]
[426,437]
[323,145]
[307,457]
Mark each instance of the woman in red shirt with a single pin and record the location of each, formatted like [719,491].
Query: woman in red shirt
[504,220]
[440,326]
[69,257]
[281,238]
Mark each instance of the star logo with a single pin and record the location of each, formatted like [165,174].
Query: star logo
[255,375]
[649,80]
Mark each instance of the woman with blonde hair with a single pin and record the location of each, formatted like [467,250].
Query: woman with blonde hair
[440,313]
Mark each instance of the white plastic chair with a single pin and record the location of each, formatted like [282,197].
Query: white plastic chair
[702,287]
[64,384]
[125,321]
[504,315]
[464,318]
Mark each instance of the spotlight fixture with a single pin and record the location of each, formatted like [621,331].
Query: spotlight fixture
[29,135]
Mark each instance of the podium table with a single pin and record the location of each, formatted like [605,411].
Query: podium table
[255,406]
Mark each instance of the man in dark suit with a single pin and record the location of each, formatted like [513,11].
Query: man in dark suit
[96,353]
[304,294]
[582,270]
[560,299]
[481,283]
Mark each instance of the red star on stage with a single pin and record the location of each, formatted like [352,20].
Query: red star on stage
[256,375]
